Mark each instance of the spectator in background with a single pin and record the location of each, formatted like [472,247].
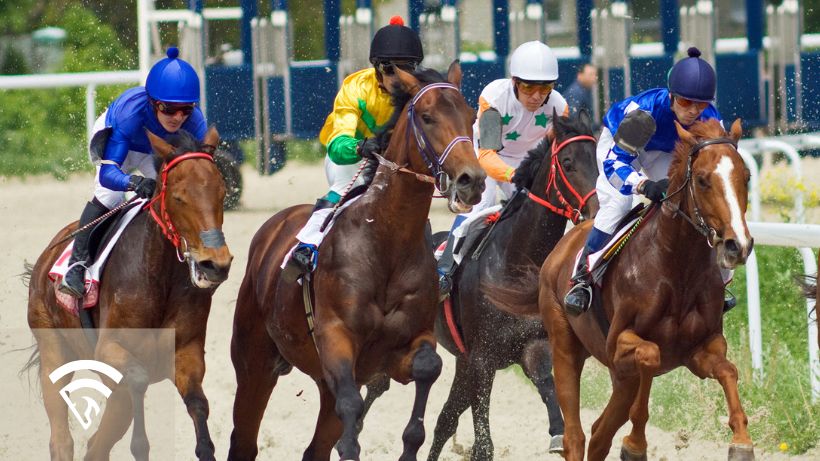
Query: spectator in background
[579,94]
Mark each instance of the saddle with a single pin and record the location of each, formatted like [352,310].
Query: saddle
[100,243]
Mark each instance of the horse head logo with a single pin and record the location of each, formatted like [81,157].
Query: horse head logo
[91,406]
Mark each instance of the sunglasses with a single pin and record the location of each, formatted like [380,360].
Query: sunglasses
[168,108]
[530,88]
[687,103]
[389,67]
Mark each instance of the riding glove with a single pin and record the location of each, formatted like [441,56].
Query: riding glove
[143,187]
[367,147]
[654,190]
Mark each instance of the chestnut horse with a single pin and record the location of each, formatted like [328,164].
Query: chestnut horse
[556,182]
[375,283]
[662,298]
[144,286]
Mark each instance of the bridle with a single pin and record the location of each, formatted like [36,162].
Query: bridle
[698,222]
[566,209]
[162,218]
[434,162]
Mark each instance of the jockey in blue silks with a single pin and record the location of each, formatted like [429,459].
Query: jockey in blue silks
[635,161]
[166,104]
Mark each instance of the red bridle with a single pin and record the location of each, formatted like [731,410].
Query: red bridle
[566,210]
[162,218]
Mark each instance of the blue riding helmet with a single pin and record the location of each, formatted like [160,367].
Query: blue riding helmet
[173,80]
[693,78]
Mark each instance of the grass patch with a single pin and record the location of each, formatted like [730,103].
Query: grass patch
[778,405]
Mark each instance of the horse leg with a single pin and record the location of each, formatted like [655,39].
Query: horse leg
[568,355]
[328,428]
[482,377]
[190,370]
[258,364]
[52,355]
[135,379]
[615,414]
[536,361]
[710,361]
[424,370]
[337,357]
[375,389]
[457,402]
[635,355]
[114,424]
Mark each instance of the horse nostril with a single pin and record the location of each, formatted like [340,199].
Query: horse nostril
[731,246]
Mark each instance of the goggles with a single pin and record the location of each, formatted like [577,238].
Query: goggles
[688,103]
[530,88]
[389,67]
[170,108]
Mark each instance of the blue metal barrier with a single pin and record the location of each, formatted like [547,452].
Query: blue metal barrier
[313,88]
[810,67]
[229,99]
[649,72]
[476,75]
[738,83]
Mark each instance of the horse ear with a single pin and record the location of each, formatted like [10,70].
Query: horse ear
[684,135]
[211,137]
[736,131]
[454,74]
[585,118]
[407,81]
[557,121]
[158,145]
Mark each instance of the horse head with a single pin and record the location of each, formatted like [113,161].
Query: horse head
[712,181]
[440,122]
[188,205]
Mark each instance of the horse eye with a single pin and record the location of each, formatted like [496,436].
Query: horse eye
[703,182]
[747,174]
[426,118]
[567,165]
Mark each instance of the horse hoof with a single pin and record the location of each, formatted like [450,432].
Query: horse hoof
[629,455]
[557,444]
[741,452]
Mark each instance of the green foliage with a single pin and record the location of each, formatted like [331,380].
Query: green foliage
[13,62]
[44,129]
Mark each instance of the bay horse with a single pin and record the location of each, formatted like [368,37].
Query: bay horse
[556,182]
[375,282]
[662,298]
[162,273]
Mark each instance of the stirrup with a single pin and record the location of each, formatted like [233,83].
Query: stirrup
[66,288]
[445,286]
[729,301]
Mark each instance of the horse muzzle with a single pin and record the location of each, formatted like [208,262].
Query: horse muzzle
[210,271]
[732,253]
[466,190]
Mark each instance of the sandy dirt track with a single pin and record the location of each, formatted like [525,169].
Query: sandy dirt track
[34,209]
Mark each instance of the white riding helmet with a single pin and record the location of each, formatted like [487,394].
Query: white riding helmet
[534,61]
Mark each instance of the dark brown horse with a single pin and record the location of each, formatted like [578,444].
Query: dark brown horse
[375,283]
[556,182]
[662,298]
[812,291]
[144,286]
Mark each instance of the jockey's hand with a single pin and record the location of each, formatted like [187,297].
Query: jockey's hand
[143,187]
[654,190]
[367,147]
[635,131]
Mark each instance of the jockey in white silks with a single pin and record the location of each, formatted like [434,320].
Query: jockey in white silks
[361,109]
[166,104]
[514,115]
[636,160]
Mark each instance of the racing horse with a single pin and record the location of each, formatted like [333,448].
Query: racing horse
[555,183]
[161,274]
[375,283]
[661,298]
[811,289]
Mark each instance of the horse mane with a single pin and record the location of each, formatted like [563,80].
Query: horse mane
[400,98]
[704,129]
[528,169]
[183,141]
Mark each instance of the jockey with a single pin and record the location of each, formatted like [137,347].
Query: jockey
[362,107]
[636,161]
[513,117]
[166,104]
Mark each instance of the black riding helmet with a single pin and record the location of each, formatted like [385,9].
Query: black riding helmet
[396,42]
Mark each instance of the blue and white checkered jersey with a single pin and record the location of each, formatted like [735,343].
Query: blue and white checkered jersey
[620,167]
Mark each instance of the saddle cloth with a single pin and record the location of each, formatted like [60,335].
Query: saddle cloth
[93,272]
[595,259]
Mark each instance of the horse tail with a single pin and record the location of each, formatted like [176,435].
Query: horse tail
[33,362]
[28,271]
[808,284]
[517,297]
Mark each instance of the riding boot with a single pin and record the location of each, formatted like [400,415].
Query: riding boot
[446,268]
[73,282]
[303,258]
[579,296]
